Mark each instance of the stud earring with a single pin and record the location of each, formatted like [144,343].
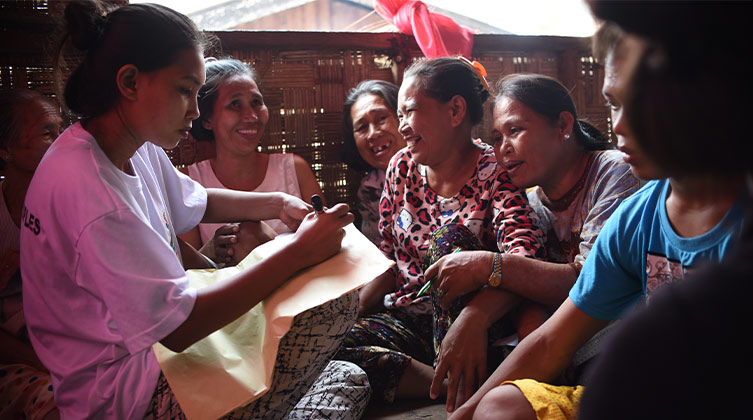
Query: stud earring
[567,137]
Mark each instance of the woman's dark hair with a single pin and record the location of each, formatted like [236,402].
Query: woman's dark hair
[606,41]
[443,78]
[12,102]
[217,71]
[384,90]
[149,36]
[548,98]
[687,104]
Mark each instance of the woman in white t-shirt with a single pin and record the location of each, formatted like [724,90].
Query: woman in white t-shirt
[103,280]
[233,115]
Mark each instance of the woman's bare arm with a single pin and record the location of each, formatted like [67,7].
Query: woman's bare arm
[319,237]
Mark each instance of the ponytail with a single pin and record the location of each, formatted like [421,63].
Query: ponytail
[148,36]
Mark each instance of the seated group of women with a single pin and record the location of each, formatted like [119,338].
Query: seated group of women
[447,208]
[445,181]
[447,191]
[444,191]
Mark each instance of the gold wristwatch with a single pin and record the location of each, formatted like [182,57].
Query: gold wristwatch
[495,279]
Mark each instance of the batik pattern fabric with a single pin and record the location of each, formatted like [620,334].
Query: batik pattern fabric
[495,210]
[446,240]
[384,344]
[306,384]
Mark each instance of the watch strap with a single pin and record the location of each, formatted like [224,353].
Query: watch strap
[495,279]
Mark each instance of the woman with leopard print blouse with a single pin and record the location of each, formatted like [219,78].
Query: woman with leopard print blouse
[443,177]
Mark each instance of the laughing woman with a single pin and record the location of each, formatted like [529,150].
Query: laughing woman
[443,178]
[371,138]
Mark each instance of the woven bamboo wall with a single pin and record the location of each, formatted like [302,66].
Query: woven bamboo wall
[25,60]
[305,77]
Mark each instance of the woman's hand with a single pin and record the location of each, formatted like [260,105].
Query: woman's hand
[221,245]
[320,235]
[462,358]
[371,296]
[293,210]
[460,273]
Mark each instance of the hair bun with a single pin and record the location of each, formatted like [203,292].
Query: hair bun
[596,140]
[483,93]
[85,22]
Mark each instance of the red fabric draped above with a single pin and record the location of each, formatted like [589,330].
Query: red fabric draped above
[436,34]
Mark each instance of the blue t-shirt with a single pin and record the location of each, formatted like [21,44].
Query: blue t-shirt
[638,250]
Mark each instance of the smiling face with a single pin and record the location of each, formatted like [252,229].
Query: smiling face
[525,143]
[425,123]
[613,93]
[375,130]
[39,125]
[166,102]
[239,115]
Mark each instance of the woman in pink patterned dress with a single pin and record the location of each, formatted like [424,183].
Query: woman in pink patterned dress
[444,177]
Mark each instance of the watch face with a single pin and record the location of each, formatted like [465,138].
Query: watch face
[495,280]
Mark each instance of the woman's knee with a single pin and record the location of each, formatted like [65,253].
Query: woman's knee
[333,319]
[341,391]
[504,402]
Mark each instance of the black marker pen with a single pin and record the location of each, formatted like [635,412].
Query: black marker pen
[316,201]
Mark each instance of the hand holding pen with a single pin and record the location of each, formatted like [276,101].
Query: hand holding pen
[428,283]
[292,210]
[321,232]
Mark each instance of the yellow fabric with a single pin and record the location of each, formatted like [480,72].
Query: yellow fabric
[550,402]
